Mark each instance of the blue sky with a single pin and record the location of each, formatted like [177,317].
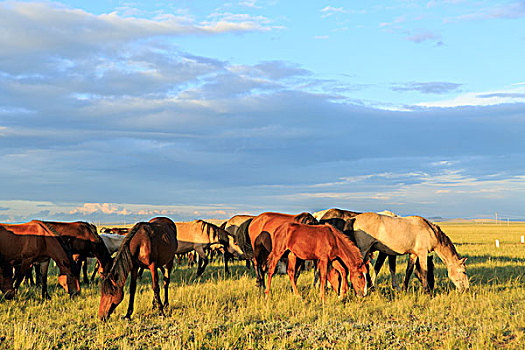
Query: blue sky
[115,111]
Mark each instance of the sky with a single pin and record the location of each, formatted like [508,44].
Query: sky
[118,111]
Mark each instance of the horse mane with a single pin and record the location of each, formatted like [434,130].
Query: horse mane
[442,238]
[347,239]
[215,230]
[123,261]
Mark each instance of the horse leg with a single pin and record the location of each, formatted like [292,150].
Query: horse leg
[132,290]
[203,260]
[292,260]
[273,259]
[430,272]
[38,274]
[323,267]
[95,271]
[43,275]
[424,270]
[166,282]
[156,288]
[83,262]
[336,265]
[227,256]
[410,268]
[377,267]
[392,266]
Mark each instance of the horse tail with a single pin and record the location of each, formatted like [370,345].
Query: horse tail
[243,238]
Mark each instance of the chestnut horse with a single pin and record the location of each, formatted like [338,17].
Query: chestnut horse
[148,244]
[418,237]
[84,241]
[323,243]
[32,242]
[261,230]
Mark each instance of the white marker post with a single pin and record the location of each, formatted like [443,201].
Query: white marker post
[522,239]
[497,243]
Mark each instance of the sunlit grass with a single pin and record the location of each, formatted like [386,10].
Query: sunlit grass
[216,311]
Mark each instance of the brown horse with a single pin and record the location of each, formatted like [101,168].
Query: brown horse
[418,237]
[32,242]
[261,230]
[84,242]
[203,236]
[323,243]
[149,244]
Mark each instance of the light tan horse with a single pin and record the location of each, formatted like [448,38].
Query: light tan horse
[416,236]
[202,236]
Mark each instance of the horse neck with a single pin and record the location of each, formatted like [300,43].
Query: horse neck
[345,254]
[446,254]
[102,254]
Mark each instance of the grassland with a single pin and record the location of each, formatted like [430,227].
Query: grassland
[228,313]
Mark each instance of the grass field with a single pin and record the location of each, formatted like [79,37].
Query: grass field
[228,313]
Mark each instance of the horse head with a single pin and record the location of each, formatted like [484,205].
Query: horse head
[6,282]
[111,296]
[457,273]
[358,279]
[70,284]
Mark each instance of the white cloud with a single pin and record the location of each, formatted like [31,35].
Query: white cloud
[488,98]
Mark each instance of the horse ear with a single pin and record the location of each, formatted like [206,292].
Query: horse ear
[463,261]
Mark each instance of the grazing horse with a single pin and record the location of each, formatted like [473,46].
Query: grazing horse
[84,242]
[416,236]
[261,230]
[32,242]
[149,244]
[323,243]
[201,236]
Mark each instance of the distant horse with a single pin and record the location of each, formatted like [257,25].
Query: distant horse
[261,230]
[6,278]
[32,242]
[149,244]
[115,230]
[323,243]
[232,226]
[84,242]
[202,236]
[112,241]
[416,236]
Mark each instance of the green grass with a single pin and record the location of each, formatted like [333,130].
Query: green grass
[227,312]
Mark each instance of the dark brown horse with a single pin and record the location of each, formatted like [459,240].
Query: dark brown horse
[84,242]
[338,214]
[323,243]
[150,245]
[261,230]
[32,242]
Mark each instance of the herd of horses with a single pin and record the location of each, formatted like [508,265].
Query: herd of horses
[340,243]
